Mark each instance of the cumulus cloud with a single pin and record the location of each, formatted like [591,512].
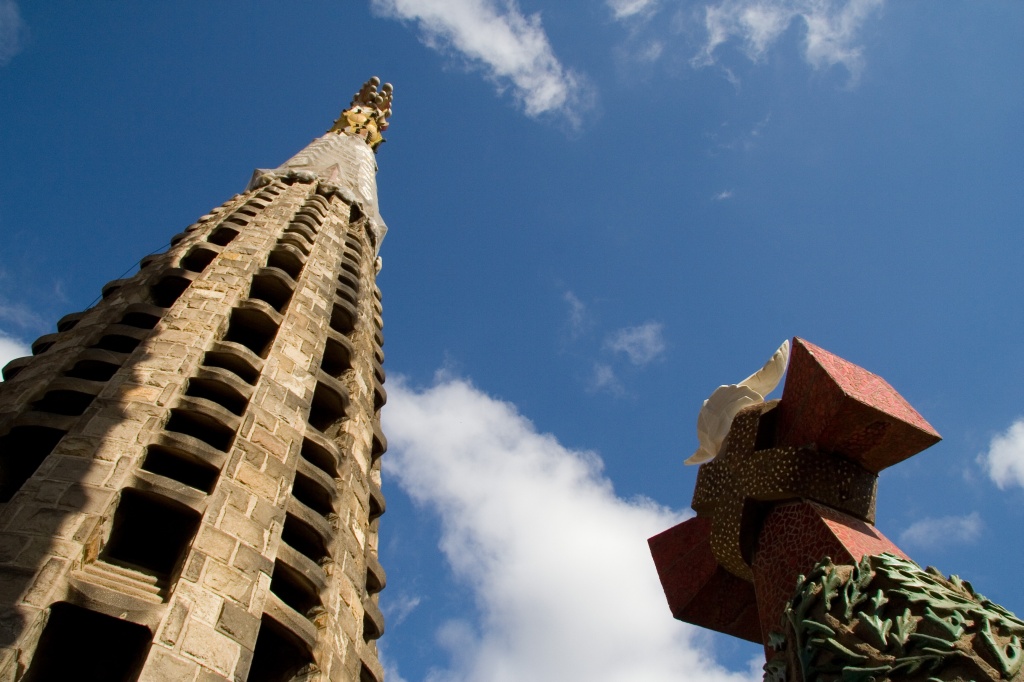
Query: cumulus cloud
[12,31]
[558,565]
[831,29]
[943,531]
[1004,460]
[11,348]
[642,344]
[510,47]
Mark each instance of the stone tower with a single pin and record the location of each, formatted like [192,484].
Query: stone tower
[190,469]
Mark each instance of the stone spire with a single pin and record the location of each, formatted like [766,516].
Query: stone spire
[190,475]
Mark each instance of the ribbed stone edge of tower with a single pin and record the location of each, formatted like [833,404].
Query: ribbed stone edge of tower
[190,469]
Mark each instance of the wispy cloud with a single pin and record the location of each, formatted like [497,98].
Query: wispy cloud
[642,344]
[549,580]
[723,195]
[397,607]
[579,319]
[12,31]
[1004,460]
[625,9]
[832,29]
[604,379]
[20,316]
[511,48]
[943,531]
[11,348]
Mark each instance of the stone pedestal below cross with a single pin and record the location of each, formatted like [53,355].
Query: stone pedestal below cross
[795,483]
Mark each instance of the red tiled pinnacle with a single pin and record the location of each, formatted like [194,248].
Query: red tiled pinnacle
[838,407]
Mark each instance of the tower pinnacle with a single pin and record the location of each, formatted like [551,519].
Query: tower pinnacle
[367,115]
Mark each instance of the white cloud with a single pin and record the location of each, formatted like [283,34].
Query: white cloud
[831,29]
[12,31]
[397,607]
[723,195]
[605,379]
[944,531]
[1004,460]
[579,319]
[510,47]
[642,344]
[558,565]
[11,348]
[624,9]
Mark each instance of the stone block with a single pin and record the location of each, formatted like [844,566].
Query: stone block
[175,621]
[216,543]
[210,648]
[245,529]
[228,582]
[238,624]
[163,665]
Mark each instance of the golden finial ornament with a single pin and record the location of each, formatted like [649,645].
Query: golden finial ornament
[367,115]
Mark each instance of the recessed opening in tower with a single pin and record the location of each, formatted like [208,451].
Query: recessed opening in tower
[165,292]
[22,450]
[93,370]
[286,260]
[198,258]
[310,493]
[232,360]
[70,403]
[350,268]
[303,538]
[42,344]
[349,280]
[272,288]
[69,321]
[343,319]
[346,293]
[319,457]
[219,392]
[279,655]
[175,465]
[140,319]
[295,241]
[302,230]
[222,236]
[82,645]
[328,407]
[337,358]
[150,532]
[253,329]
[293,589]
[118,343]
[202,426]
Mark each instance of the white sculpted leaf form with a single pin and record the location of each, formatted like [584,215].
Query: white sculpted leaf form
[721,408]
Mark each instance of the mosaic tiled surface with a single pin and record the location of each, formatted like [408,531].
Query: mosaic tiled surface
[797,536]
[843,408]
[727,485]
[698,590]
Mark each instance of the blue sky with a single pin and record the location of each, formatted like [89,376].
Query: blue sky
[598,212]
